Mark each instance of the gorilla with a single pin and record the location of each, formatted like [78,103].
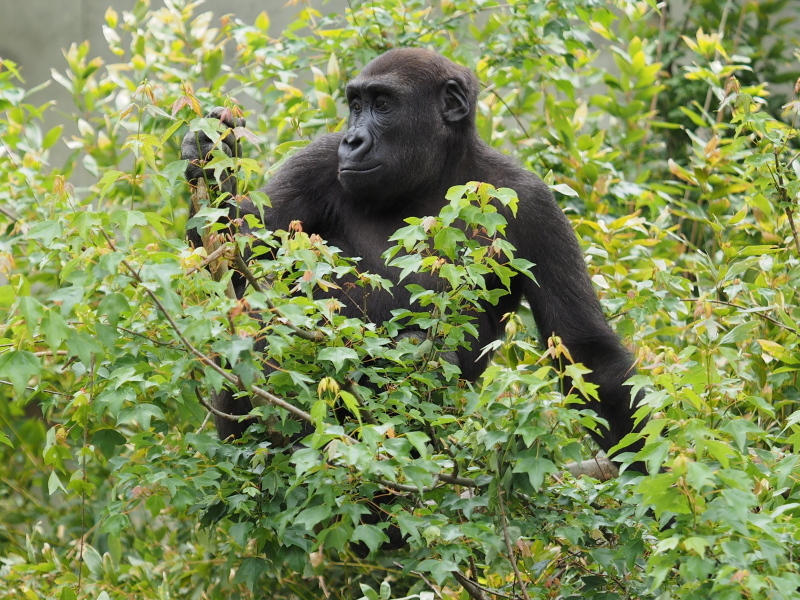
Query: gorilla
[411,135]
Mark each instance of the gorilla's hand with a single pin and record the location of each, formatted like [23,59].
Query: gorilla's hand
[197,146]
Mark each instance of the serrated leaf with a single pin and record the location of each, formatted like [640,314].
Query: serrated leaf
[370,535]
[46,231]
[111,306]
[311,516]
[250,571]
[107,440]
[338,356]
[19,366]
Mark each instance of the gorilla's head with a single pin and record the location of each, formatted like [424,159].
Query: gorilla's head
[411,114]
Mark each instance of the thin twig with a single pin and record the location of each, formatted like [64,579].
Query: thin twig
[435,588]
[720,32]
[33,389]
[143,336]
[648,126]
[85,477]
[494,92]
[757,310]
[256,390]
[475,591]
[210,258]
[9,214]
[511,556]
[224,415]
[794,229]
[791,160]
[313,336]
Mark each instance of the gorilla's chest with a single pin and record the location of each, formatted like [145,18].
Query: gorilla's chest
[366,237]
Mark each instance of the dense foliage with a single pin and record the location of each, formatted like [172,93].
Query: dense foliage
[672,141]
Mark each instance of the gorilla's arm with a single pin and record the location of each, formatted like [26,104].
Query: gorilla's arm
[564,303]
[297,192]
[306,188]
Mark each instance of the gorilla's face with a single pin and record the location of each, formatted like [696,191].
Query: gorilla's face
[399,132]
[392,145]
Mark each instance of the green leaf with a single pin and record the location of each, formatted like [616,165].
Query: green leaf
[67,593]
[447,240]
[46,231]
[111,306]
[128,219]
[338,356]
[55,329]
[250,571]
[212,63]
[108,179]
[141,413]
[420,441]
[155,504]
[19,366]
[54,484]
[537,469]
[107,440]
[311,516]
[371,535]
[440,569]
[52,136]
[563,188]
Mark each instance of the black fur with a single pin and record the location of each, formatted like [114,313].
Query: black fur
[411,136]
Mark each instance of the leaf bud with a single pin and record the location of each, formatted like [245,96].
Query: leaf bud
[327,384]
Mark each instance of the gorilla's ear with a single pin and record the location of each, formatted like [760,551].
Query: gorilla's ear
[454,101]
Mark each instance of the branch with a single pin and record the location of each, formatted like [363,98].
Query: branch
[33,389]
[224,415]
[475,592]
[210,258]
[511,557]
[206,360]
[757,310]
[313,336]
[793,228]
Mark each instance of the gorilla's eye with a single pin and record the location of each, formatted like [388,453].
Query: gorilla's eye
[381,104]
[355,105]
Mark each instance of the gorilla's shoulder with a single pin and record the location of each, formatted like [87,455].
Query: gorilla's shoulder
[322,153]
[502,170]
[310,169]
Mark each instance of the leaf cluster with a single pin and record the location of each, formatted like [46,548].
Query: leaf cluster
[671,140]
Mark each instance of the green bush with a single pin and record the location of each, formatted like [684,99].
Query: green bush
[672,141]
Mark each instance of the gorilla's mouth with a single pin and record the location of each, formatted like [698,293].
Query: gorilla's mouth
[348,170]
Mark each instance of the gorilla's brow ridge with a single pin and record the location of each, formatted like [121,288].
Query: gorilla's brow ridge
[381,84]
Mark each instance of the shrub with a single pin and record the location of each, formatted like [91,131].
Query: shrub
[678,165]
